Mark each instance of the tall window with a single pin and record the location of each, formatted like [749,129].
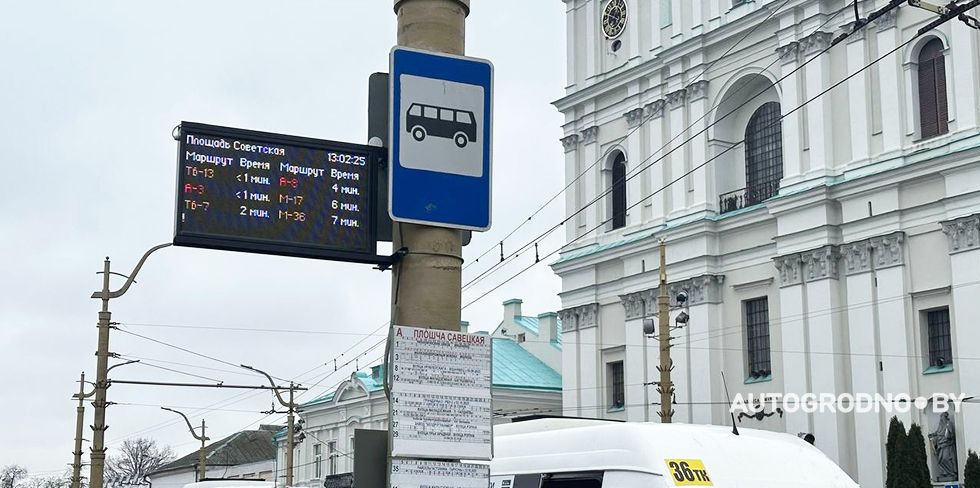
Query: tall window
[617,385]
[332,456]
[316,461]
[933,110]
[763,153]
[757,338]
[940,346]
[619,192]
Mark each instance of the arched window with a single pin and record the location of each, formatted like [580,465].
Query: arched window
[619,192]
[763,153]
[933,111]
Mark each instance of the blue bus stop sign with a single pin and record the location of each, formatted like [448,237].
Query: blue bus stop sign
[441,119]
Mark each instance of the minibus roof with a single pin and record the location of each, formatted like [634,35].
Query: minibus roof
[754,458]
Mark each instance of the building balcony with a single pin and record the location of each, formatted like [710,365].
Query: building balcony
[746,197]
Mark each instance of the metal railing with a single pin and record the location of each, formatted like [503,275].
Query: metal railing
[745,197]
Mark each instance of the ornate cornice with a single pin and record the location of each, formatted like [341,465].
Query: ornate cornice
[886,251]
[857,256]
[590,134]
[697,90]
[634,117]
[676,98]
[888,20]
[580,317]
[962,234]
[654,109]
[569,142]
[852,34]
[821,263]
[789,52]
[700,290]
[790,269]
[816,42]
[889,250]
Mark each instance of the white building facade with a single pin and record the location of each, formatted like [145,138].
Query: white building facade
[836,250]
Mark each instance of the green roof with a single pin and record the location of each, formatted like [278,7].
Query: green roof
[513,367]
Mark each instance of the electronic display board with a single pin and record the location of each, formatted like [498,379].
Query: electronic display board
[269,193]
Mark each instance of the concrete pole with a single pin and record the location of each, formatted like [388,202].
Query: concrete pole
[202,468]
[290,429]
[76,465]
[97,468]
[427,282]
[666,386]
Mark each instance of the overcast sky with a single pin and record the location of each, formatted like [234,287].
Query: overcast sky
[89,94]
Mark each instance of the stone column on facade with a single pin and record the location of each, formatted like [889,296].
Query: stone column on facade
[863,337]
[677,20]
[827,353]
[857,95]
[964,67]
[589,387]
[889,81]
[634,161]
[592,40]
[794,335]
[571,63]
[887,253]
[697,18]
[592,180]
[570,363]
[677,190]
[573,194]
[655,174]
[703,179]
[636,308]
[818,112]
[789,55]
[704,309]
[963,237]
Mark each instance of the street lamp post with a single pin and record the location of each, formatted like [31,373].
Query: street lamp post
[201,468]
[97,468]
[290,424]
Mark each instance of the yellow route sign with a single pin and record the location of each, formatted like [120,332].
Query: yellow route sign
[688,472]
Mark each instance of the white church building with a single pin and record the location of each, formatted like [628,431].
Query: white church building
[834,251]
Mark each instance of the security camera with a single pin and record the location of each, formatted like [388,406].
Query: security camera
[649,326]
[681,298]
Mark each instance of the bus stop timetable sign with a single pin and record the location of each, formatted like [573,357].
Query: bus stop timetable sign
[441,118]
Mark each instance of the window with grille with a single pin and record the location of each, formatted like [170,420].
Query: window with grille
[617,386]
[933,109]
[619,192]
[763,153]
[316,461]
[940,346]
[757,337]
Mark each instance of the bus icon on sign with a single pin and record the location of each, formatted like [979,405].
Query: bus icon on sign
[428,120]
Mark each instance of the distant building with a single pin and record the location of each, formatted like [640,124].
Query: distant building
[249,454]
[526,360]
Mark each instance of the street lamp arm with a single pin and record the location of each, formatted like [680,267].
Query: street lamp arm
[132,276]
[272,382]
[189,426]
[121,364]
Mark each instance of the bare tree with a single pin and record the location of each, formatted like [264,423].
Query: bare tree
[46,482]
[136,458]
[11,475]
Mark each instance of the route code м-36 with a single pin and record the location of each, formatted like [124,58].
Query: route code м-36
[269,186]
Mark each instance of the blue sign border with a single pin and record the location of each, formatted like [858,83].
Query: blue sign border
[431,197]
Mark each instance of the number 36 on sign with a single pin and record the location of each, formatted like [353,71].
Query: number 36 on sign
[688,472]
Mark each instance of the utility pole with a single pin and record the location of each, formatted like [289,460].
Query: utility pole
[102,365]
[201,466]
[290,420]
[76,465]
[427,281]
[666,386]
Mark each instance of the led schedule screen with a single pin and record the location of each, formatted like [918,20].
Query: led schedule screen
[269,193]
